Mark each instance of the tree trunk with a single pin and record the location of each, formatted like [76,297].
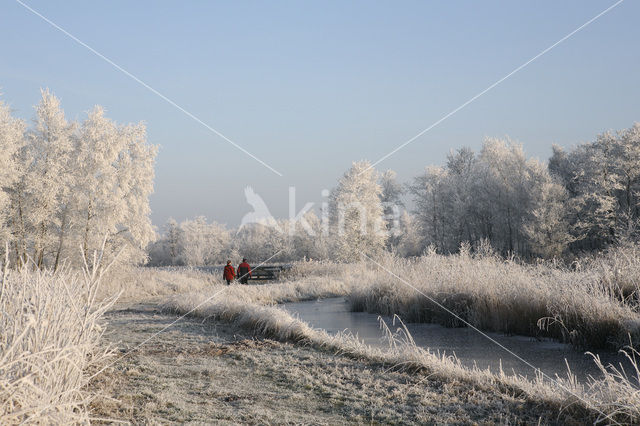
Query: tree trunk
[21,247]
[40,256]
[85,242]
[61,239]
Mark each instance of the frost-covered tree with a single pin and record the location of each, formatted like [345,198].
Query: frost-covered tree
[510,186]
[310,245]
[168,249]
[193,242]
[356,214]
[196,243]
[410,240]
[113,182]
[627,152]
[11,144]
[260,242]
[602,179]
[430,197]
[391,198]
[203,243]
[136,174]
[175,241]
[48,177]
[499,196]
[547,228]
[72,186]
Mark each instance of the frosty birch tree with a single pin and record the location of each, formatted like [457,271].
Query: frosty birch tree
[11,143]
[70,186]
[356,214]
[114,178]
[48,176]
[97,203]
[391,198]
[203,243]
[135,174]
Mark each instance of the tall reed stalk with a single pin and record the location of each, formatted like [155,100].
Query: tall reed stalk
[49,340]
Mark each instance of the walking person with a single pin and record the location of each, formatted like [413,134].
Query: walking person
[229,273]
[244,271]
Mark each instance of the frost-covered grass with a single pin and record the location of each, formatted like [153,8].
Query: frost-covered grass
[613,398]
[149,283]
[618,271]
[50,330]
[142,283]
[592,305]
[308,288]
[217,373]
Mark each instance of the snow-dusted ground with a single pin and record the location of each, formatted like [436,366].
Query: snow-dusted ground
[210,372]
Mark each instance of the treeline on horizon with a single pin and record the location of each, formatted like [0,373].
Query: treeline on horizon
[68,188]
[584,200]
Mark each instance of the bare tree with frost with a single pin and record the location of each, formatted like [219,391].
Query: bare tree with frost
[11,144]
[499,196]
[391,198]
[48,177]
[356,214]
[203,243]
[71,186]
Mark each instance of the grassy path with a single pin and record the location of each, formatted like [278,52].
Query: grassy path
[208,372]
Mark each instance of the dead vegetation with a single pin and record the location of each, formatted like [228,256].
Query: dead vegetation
[51,329]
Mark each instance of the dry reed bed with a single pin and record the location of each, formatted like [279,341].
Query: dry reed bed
[582,307]
[593,306]
[51,329]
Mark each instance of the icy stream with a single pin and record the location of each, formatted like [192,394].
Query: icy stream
[334,315]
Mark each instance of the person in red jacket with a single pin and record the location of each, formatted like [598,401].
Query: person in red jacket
[229,273]
[244,271]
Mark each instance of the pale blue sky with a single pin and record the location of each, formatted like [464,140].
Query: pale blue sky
[311,86]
